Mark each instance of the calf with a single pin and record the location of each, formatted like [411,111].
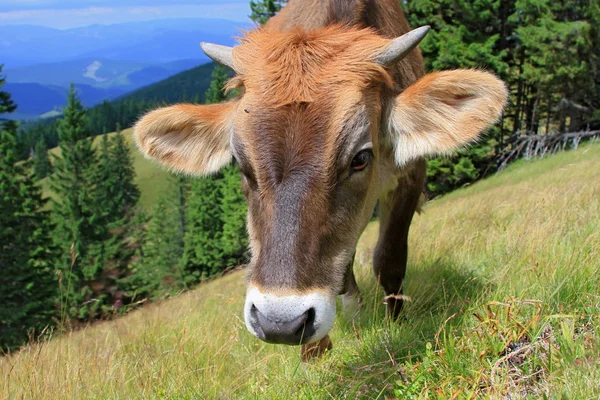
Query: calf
[335,114]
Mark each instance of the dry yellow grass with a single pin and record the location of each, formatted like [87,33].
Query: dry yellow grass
[504,278]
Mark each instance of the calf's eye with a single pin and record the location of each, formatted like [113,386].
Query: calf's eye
[361,160]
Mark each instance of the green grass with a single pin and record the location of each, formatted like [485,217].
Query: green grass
[152,179]
[504,278]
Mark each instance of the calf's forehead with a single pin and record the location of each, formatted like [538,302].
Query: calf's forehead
[315,136]
[280,141]
[298,66]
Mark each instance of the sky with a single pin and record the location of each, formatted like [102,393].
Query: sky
[64,14]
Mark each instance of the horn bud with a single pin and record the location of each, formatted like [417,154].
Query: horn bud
[401,46]
[220,54]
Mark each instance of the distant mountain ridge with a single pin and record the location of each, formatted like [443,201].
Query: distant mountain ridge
[184,86]
[104,61]
[171,39]
[35,100]
[99,72]
[96,81]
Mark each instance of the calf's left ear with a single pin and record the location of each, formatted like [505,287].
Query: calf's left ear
[444,111]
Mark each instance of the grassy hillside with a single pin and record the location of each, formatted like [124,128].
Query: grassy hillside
[150,177]
[504,278]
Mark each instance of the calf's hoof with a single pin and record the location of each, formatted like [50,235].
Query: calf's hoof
[316,349]
[394,304]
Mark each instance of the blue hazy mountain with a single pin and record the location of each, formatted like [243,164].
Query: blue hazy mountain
[35,100]
[98,72]
[150,41]
[104,61]
[96,80]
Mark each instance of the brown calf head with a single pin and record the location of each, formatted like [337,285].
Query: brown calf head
[318,135]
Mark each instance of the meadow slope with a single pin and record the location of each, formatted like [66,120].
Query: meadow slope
[152,179]
[504,278]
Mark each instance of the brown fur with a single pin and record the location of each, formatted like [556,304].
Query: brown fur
[312,98]
[295,66]
[187,137]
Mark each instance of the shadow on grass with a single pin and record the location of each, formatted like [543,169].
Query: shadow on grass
[441,293]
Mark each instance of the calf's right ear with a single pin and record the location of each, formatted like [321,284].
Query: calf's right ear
[194,139]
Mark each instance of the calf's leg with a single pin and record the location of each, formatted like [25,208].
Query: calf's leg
[351,299]
[397,208]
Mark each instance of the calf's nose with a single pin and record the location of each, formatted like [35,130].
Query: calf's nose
[274,329]
[289,318]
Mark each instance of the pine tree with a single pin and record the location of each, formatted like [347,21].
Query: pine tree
[116,197]
[7,105]
[27,287]
[127,194]
[215,93]
[202,257]
[41,162]
[102,177]
[157,271]
[124,223]
[117,193]
[78,224]
[106,248]
[547,34]
[234,242]
[262,10]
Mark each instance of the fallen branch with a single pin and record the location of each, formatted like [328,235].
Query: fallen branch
[537,146]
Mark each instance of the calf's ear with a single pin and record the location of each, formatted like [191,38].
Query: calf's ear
[194,139]
[444,111]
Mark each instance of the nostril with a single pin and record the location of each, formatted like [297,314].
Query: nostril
[306,329]
[274,327]
[253,314]
[310,321]
[255,322]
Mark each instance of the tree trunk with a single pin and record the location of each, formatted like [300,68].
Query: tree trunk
[548,111]
[517,123]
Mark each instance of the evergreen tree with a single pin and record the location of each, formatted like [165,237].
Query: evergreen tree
[547,34]
[78,224]
[105,249]
[117,193]
[27,288]
[203,257]
[7,105]
[127,193]
[464,33]
[41,162]
[102,178]
[234,242]
[262,10]
[215,92]
[157,271]
[116,197]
